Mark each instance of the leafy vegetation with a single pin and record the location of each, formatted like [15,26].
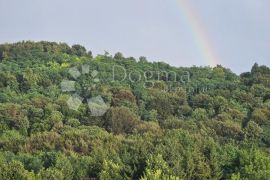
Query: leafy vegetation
[163,122]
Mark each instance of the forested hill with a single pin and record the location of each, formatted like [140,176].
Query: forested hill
[65,114]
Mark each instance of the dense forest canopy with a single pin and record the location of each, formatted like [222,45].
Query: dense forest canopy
[65,114]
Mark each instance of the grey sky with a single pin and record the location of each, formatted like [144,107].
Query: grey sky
[239,30]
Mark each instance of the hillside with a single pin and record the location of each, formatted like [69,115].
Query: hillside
[65,114]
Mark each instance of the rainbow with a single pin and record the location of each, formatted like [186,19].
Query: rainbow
[199,33]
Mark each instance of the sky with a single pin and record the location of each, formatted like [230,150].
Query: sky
[233,33]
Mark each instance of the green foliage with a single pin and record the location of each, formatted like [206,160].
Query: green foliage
[157,169]
[15,170]
[253,164]
[121,120]
[51,174]
[110,171]
[172,123]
